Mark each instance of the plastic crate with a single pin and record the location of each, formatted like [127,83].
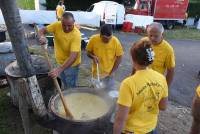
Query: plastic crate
[127,27]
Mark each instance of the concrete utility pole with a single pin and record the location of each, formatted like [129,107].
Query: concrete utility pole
[31,88]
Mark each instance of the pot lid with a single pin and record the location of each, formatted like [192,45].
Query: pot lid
[39,63]
[6,47]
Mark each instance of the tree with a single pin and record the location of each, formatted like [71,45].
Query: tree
[16,32]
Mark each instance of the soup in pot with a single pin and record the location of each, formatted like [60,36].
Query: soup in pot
[84,106]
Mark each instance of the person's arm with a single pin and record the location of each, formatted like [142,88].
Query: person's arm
[92,56]
[170,76]
[41,35]
[170,66]
[120,118]
[196,116]
[89,49]
[119,53]
[163,103]
[116,64]
[67,64]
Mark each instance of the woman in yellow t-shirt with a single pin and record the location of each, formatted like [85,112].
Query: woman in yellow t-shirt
[195,129]
[141,95]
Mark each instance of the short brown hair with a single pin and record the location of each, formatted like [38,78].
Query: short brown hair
[142,53]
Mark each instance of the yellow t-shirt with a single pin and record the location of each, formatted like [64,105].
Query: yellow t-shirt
[164,56]
[198,90]
[59,11]
[65,43]
[142,93]
[106,52]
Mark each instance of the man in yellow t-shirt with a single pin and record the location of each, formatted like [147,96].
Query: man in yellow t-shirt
[106,51]
[60,9]
[195,129]
[164,54]
[67,48]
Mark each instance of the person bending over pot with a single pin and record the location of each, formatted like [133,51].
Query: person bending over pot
[106,51]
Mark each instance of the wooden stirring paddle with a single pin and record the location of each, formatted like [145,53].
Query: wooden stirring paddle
[67,112]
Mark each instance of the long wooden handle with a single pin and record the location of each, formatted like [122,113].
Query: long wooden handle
[68,113]
[98,75]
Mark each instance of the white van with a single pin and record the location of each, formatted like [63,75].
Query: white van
[110,12]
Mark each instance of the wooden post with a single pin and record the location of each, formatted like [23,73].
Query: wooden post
[34,92]
[23,106]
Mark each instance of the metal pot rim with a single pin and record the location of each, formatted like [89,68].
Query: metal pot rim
[83,90]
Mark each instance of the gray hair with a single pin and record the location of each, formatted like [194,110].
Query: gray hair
[157,25]
[68,15]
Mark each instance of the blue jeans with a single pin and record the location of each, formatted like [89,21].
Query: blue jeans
[69,77]
[153,132]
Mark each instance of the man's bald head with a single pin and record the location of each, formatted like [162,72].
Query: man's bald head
[68,16]
[155,32]
[156,26]
[67,22]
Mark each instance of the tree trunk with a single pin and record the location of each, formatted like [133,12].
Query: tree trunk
[23,107]
[20,46]
[16,32]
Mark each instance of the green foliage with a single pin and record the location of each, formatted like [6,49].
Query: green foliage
[26,4]
[182,33]
[194,8]
[74,4]
[51,4]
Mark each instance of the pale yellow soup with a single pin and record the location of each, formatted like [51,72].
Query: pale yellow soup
[84,106]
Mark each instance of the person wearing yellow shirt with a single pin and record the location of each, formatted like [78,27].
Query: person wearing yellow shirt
[164,54]
[141,95]
[106,51]
[67,48]
[60,9]
[195,129]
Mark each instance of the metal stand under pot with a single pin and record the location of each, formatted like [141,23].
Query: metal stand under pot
[46,83]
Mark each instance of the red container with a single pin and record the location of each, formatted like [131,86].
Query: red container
[127,27]
[138,30]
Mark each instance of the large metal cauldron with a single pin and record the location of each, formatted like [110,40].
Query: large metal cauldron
[77,126]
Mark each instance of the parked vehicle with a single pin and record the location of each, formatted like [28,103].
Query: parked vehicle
[110,12]
[168,12]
